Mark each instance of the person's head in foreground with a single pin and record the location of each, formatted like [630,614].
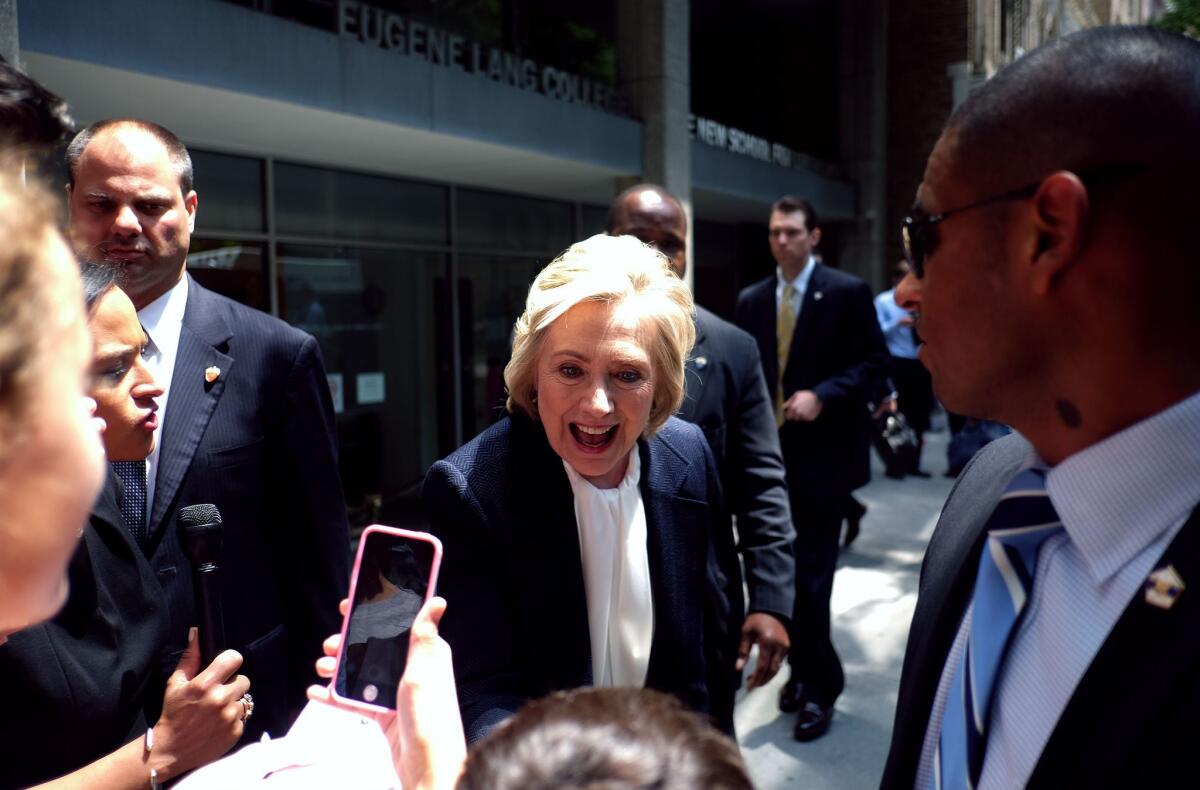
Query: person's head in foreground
[615,738]
[131,203]
[122,385]
[32,119]
[1053,244]
[598,353]
[51,459]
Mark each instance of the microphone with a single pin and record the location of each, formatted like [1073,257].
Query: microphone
[199,532]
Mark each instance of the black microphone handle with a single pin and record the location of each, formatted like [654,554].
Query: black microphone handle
[207,587]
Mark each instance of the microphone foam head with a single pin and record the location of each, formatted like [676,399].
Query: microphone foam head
[195,515]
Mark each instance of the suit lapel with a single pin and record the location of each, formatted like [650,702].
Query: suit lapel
[663,471]
[813,302]
[203,341]
[695,372]
[1141,672]
[545,540]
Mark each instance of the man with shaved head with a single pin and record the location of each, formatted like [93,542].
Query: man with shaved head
[727,397]
[1054,256]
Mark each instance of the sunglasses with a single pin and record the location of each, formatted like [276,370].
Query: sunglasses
[919,229]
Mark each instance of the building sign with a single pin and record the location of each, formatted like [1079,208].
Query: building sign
[397,33]
[736,141]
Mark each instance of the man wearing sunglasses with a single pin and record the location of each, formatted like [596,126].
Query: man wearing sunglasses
[1055,266]
[823,357]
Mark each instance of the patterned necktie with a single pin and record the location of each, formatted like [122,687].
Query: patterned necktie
[785,327]
[133,506]
[1022,521]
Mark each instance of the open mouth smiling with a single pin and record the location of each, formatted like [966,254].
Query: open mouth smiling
[593,438]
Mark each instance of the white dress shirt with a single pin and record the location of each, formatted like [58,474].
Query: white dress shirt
[616,576]
[1122,501]
[800,284]
[163,320]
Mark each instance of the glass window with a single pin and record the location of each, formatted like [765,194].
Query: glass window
[231,192]
[381,318]
[236,269]
[595,220]
[492,293]
[311,201]
[498,221]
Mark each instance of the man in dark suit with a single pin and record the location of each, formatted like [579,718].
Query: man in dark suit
[246,422]
[1054,250]
[727,398]
[823,357]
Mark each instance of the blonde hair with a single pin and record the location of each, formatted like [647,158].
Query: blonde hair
[613,270]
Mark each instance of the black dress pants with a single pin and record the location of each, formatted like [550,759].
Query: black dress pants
[813,660]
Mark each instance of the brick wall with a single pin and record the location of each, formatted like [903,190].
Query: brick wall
[924,37]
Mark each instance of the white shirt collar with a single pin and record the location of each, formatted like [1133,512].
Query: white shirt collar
[163,317]
[801,281]
[1120,494]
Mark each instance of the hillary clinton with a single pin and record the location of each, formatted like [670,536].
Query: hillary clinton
[576,529]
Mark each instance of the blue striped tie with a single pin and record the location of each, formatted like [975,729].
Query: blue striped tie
[133,505]
[1022,521]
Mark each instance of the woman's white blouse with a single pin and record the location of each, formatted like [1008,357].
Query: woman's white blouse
[616,576]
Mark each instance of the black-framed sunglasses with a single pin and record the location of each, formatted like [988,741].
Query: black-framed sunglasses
[918,228]
[920,237]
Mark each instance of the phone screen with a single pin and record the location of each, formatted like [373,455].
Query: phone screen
[390,587]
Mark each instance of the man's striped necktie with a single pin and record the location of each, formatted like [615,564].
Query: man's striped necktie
[1021,522]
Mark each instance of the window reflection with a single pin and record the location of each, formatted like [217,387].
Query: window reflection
[375,314]
[492,295]
[237,269]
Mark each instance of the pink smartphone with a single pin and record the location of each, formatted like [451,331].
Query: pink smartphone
[395,573]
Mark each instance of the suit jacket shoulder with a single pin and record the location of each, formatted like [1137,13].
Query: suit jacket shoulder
[946,583]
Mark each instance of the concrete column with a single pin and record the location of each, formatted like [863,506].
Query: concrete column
[653,69]
[9,39]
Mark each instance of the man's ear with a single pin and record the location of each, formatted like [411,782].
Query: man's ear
[1059,212]
[190,201]
[816,236]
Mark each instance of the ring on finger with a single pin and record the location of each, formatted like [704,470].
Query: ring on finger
[247,706]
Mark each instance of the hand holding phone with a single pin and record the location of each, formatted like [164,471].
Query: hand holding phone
[395,573]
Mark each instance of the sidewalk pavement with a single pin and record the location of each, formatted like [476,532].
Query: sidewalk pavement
[873,597]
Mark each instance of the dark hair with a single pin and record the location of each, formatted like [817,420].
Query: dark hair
[30,115]
[613,738]
[98,279]
[616,209]
[790,204]
[1103,96]
[177,151]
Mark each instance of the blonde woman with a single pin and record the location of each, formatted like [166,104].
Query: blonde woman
[576,529]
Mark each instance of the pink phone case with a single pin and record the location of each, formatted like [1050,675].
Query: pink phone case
[424,537]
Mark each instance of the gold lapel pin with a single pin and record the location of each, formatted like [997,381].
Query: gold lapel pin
[212,373]
[1163,587]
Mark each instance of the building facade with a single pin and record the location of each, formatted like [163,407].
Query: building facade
[389,175]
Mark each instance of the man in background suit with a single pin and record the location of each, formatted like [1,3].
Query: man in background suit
[823,358]
[727,398]
[1053,247]
[246,422]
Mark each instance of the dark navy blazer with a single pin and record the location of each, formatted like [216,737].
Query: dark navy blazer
[259,443]
[512,577]
[838,352]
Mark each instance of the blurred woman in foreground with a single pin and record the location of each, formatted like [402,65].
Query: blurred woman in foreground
[90,676]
